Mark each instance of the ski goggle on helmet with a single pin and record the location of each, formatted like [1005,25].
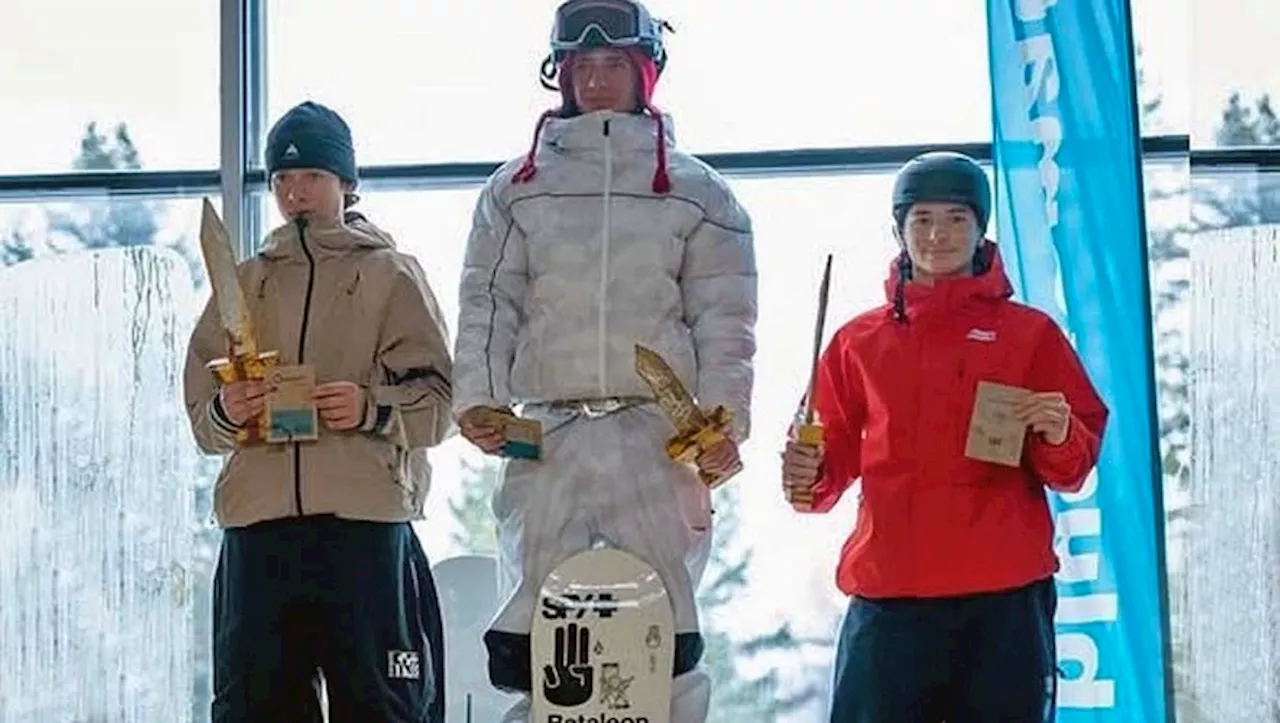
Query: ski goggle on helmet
[592,24]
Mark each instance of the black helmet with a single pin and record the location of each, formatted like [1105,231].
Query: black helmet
[942,177]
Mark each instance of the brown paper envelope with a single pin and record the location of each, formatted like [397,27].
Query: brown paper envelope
[995,434]
[523,436]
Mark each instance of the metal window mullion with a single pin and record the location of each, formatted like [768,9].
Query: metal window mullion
[254,99]
[231,98]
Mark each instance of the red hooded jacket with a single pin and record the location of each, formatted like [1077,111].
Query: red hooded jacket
[896,399]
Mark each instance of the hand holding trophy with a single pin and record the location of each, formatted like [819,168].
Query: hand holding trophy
[699,434]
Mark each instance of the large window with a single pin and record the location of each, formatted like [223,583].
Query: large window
[146,69]
[104,553]
[459,81]
[1223,530]
[1227,79]
[106,549]
[1232,597]
[1161,34]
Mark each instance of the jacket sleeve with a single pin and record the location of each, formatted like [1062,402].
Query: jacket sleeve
[213,431]
[492,288]
[411,402]
[718,283]
[1057,368]
[840,404]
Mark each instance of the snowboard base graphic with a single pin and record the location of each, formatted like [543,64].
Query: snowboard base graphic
[603,642]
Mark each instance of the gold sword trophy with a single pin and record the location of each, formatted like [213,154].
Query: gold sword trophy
[809,431]
[244,362]
[696,430]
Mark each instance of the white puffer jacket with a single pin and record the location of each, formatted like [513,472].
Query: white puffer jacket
[565,273]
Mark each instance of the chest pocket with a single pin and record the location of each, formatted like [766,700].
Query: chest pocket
[945,400]
[986,357]
[270,312]
[562,234]
[892,380]
[987,353]
[954,356]
[346,317]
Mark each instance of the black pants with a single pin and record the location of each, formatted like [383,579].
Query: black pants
[987,658]
[353,600]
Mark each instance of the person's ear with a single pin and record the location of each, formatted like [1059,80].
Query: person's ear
[982,256]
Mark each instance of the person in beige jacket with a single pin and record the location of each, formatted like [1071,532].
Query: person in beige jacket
[319,570]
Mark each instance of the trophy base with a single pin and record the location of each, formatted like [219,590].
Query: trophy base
[801,500]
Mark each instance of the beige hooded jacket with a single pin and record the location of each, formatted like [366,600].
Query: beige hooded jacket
[340,298]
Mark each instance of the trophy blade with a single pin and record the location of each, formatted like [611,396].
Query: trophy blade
[677,404]
[220,265]
[824,294]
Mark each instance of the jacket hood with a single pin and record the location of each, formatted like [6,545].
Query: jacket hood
[327,237]
[628,131]
[951,293]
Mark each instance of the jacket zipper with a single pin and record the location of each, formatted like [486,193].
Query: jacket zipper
[302,352]
[602,351]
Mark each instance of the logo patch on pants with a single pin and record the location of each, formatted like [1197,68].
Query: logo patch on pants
[404,665]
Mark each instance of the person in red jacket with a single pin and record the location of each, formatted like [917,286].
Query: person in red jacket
[950,566]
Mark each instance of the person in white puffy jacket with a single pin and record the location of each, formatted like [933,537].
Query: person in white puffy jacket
[603,236]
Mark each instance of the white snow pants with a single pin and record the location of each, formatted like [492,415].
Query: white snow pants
[601,479]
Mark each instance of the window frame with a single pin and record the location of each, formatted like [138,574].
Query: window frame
[242,111]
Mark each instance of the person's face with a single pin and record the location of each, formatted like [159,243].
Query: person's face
[308,192]
[603,79]
[941,239]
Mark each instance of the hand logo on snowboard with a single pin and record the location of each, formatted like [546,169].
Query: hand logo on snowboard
[571,680]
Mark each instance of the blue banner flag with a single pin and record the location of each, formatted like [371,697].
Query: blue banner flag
[1069,214]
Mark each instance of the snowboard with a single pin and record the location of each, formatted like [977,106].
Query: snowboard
[603,642]
[467,587]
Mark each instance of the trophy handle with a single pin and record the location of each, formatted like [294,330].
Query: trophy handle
[687,448]
[254,368]
[810,435]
